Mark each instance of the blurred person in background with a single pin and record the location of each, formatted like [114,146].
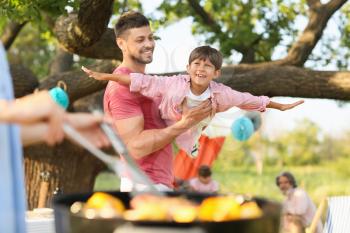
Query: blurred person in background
[204,182]
[298,209]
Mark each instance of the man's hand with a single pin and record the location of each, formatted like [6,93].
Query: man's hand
[192,116]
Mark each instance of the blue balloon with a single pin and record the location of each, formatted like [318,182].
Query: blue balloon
[242,128]
[60,97]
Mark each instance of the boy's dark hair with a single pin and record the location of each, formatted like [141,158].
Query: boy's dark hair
[289,177]
[204,171]
[129,20]
[207,52]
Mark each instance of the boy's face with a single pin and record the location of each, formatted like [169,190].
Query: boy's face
[202,72]
[137,44]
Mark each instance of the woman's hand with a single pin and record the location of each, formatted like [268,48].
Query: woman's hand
[36,108]
[88,125]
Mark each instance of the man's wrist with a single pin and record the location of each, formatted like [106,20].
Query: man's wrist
[178,128]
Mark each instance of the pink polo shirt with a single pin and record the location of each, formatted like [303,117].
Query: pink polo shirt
[173,90]
[120,104]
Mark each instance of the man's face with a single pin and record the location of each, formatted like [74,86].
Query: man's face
[202,72]
[284,185]
[137,44]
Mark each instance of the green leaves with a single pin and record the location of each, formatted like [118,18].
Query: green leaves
[28,10]
[34,49]
[243,25]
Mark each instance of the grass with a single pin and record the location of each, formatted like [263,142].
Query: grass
[326,179]
[318,181]
[107,181]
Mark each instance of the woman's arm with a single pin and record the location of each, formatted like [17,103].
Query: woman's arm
[41,119]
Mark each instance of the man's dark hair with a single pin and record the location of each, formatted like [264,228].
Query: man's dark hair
[129,20]
[204,171]
[289,177]
[207,52]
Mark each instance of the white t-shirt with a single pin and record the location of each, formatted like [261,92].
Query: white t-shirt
[195,100]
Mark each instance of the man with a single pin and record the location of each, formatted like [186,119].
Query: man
[204,182]
[136,117]
[40,119]
[298,208]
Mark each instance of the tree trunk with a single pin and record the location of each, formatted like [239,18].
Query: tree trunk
[24,81]
[78,83]
[62,62]
[71,169]
[10,33]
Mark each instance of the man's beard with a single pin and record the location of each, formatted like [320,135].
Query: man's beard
[141,60]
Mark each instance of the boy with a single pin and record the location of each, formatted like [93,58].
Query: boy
[181,92]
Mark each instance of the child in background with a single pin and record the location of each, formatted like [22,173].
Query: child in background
[181,92]
[204,182]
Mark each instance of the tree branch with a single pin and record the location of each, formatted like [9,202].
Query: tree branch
[247,51]
[10,33]
[288,81]
[86,33]
[62,62]
[313,3]
[78,84]
[24,81]
[205,16]
[318,18]
[274,80]
[93,19]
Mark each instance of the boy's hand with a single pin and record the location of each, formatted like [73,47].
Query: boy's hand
[285,107]
[96,75]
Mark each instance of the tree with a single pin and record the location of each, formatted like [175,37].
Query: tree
[251,28]
[299,147]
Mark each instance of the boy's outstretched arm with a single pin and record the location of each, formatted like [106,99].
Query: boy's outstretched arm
[120,78]
[284,107]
